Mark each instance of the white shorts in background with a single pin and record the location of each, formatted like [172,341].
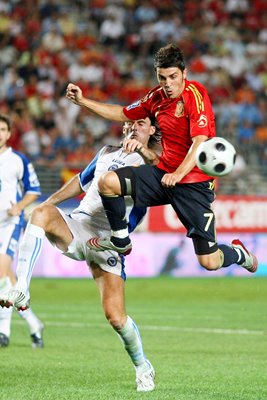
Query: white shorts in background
[9,239]
[82,229]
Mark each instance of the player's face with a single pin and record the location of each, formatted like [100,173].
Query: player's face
[141,130]
[4,135]
[172,80]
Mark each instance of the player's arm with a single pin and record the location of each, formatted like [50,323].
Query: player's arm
[71,189]
[76,185]
[17,208]
[112,112]
[187,165]
[150,156]
[190,159]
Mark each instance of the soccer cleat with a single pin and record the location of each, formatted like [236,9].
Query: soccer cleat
[37,338]
[251,261]
[18,299]
[145,379]
[4,340]
[99,244]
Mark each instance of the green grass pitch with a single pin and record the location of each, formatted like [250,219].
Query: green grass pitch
[206,337]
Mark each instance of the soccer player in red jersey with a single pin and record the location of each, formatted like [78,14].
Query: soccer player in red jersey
[184,113]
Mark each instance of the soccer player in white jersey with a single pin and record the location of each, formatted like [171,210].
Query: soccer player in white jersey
[69,233]
[19,187]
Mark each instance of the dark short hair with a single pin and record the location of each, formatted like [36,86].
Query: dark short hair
[169,56]
[6,119]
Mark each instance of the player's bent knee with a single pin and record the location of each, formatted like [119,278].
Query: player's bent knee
[208,256]
[209,261]
[41,215]
[109,184]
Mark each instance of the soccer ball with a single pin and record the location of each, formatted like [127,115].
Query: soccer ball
[216,156]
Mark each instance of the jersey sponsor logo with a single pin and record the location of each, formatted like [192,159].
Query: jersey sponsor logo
[133,105]
[115,160]
[113,167]
[112,261]
[202,121]
[179,111]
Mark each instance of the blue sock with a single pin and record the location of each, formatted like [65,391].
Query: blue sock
[231,256]
[115,209]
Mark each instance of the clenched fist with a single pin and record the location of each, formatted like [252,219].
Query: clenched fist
[74,93]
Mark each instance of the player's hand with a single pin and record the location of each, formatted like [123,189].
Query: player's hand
[14,211]
[132,145]
[170,180]
[74,93]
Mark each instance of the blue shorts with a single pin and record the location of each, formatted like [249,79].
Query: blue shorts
[9,239]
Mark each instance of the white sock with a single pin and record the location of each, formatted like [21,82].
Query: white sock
[29,251]
[5,285]
[33,322]
[5,320]
[131,339]
[5,313]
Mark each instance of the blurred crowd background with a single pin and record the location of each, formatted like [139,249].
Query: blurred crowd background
[107,47]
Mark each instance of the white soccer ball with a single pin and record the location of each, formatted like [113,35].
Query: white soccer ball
[216,156]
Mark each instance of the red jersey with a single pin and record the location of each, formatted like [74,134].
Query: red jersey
[179,119]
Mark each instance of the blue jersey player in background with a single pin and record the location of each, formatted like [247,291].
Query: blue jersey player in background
[69,234]
[19,187]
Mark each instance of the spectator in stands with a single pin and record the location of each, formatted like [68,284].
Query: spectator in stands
[229,34]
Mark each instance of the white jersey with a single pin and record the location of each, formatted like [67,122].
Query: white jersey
[17,177]
[109,158]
